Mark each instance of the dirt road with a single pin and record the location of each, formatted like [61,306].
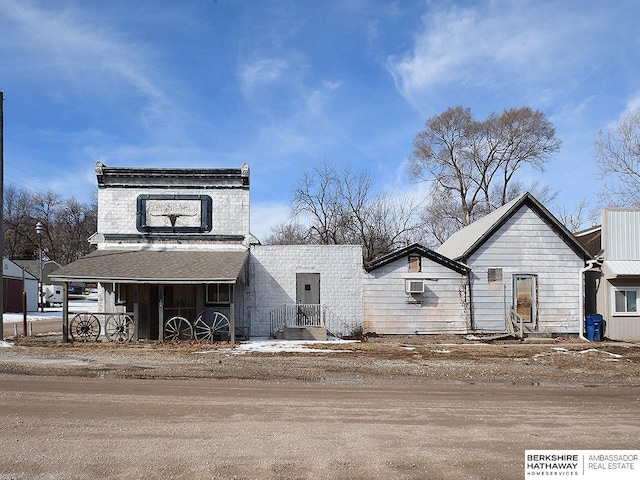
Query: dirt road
[371,411]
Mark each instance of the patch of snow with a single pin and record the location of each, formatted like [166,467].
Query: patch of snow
[90,304]
[4,344]
[614,355]
[263,345]
[564,351]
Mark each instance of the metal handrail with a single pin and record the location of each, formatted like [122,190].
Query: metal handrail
[296,315]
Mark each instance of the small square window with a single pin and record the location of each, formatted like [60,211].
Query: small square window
[307,287]
[415,263]
[494,275]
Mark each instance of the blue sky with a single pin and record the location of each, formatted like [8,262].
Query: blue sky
[283,85]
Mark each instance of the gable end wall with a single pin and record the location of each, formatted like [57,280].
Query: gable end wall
[389,310]
[525,244]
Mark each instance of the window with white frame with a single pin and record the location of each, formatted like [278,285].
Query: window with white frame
[219,292]
[625,300]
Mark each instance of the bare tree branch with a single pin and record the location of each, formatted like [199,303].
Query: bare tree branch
[340,206]
[617,152]
[473,164]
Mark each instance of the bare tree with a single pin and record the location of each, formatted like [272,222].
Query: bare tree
[75,223]
[442,155]
[317,197]
[617,152]
[67,226]
[473,165]
[291,232]
[441,217]
[576,219]
[339,206]
[18,209]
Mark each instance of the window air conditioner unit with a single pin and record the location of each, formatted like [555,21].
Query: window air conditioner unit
[414,286]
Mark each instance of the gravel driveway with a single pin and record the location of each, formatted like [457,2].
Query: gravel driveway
[387,408]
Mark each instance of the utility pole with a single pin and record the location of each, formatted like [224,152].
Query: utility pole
[2,215]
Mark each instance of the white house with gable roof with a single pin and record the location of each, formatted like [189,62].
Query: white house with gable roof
[525,265]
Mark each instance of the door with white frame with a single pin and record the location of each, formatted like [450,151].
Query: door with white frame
[525,298]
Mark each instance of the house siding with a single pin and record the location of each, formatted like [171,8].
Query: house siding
[272,283]
[16,281]
[389,310]
[621,230]
[617,327]
[525,244]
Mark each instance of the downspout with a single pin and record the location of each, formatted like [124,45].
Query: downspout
[472,322]
[590,264]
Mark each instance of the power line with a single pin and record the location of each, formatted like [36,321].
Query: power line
[30,187]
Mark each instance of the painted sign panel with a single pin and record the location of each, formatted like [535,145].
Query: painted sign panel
[173,213]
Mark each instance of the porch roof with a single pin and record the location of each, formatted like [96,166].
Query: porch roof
[155,266]
[622,268]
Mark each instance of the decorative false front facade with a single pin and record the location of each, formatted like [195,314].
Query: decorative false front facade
[172,250]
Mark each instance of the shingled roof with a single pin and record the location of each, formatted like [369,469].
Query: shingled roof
[464,242]
[153,266]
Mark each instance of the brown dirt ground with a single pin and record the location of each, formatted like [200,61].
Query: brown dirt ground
[437,407]
[418,358]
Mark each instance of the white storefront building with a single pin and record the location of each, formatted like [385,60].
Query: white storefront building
[175,260]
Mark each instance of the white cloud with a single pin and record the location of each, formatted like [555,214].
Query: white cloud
[262,72]
[74,45]
[78,55]
[633,104]
[488,46]
[266,215]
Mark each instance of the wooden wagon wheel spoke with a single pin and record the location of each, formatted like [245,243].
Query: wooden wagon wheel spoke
[84,327]
[211,329]
[119,328]
[178,329]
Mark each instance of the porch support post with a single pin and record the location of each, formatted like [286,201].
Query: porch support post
[65,312]
[232,323]
[136,313]
[161,313]
[232,316]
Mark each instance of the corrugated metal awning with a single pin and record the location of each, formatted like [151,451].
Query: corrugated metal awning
[623,267]
[153,266]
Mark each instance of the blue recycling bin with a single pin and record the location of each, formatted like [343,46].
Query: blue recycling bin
[594,328]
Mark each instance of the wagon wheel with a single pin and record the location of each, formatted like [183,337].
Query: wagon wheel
[119,328]
[211,329]
[178,329]
[85,327]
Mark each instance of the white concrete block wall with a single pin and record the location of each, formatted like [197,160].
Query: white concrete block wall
[117,209]
[272,281]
